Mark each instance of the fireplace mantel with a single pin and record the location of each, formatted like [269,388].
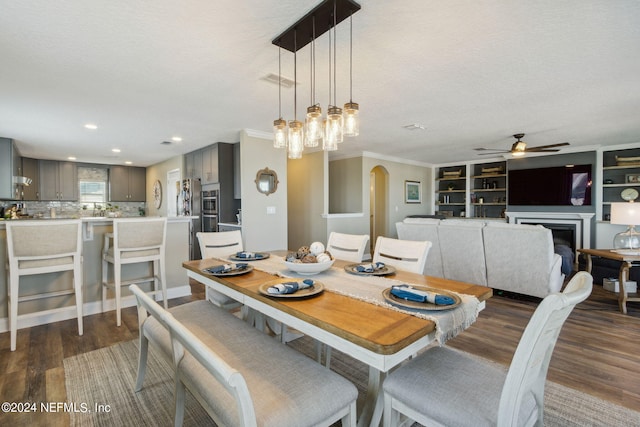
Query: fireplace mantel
[581,221]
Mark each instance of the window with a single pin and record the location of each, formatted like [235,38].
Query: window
[93,184]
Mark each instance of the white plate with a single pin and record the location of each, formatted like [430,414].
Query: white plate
[316,289]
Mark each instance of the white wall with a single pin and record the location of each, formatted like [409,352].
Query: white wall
[262,231]
[159,172]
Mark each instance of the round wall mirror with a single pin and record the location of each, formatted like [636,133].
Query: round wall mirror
[266,181]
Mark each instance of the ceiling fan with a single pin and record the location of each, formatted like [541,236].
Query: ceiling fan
[519,148]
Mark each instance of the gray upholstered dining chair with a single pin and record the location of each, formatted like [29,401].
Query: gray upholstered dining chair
[39,247]
[133,241]
[406,255]
[347,247]
[448,387]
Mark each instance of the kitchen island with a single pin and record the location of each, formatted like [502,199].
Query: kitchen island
[93,229]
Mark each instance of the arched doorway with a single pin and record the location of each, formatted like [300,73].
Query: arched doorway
[378,185]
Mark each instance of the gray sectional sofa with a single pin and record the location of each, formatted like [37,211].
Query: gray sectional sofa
[510,257]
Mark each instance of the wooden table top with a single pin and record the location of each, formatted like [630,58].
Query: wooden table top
[375,328]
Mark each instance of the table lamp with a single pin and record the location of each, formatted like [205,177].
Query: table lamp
[626,213]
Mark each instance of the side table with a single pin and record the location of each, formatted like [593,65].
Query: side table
[627,261]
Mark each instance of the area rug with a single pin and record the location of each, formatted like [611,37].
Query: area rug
[103,380]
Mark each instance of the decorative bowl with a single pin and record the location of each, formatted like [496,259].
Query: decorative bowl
[308,269]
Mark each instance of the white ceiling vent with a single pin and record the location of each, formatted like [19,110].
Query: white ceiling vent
[415,126]
[273,78]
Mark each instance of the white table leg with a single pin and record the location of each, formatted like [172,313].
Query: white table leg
[371,414]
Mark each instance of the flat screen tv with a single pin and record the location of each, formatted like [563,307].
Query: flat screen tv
[552,186]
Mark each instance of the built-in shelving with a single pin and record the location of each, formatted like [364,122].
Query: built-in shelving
[619,171]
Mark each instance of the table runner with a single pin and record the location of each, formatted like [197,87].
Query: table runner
[449,323]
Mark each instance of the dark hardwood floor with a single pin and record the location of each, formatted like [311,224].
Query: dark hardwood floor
[597,351]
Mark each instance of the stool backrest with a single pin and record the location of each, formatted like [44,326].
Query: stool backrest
[39,239]
[139,233]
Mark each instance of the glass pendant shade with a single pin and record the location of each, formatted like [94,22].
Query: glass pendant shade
[296,139]
[313,126]
[335,123]
[626,213]
[329,142]
[279,133]
[351,119]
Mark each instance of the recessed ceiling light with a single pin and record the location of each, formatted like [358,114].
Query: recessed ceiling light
[115,150]
[415,126]
[176,139]
[91,126]
[128,162]
[71,158]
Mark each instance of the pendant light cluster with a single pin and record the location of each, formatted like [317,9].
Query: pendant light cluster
[330,130]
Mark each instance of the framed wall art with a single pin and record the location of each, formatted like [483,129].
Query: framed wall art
[412,192]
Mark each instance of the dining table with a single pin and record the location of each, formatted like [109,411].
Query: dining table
[350,314]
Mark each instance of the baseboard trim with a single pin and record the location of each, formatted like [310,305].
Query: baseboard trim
[59,314]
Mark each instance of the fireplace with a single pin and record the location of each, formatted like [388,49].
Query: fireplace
[575,228]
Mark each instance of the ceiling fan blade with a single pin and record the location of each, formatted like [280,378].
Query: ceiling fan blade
[544,147]
[491,149]
[545,150]
[493,153]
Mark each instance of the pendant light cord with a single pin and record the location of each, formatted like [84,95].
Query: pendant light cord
[334,52]
[351,56]
[295,75]
[279,83]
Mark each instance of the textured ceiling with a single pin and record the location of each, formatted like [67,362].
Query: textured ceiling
[473,73]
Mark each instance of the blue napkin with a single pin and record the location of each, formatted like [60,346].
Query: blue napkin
[248,255]
[227,268]
[408,293]
[369,268]
[289,287]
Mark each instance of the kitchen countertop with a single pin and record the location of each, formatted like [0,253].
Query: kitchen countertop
[95,219]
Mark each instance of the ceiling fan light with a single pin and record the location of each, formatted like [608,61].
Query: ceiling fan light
[313,126]
[279,133]
[351,119]
[296,139]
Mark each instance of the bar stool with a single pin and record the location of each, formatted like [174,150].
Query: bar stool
[39,247]
[133,241]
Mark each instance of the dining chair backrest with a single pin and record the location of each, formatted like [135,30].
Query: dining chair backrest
[513,397]
[528,370]
[406,255]
[347,247]
[220,244]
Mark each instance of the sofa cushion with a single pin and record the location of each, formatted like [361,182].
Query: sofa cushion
[424,231]
[520,258]
[462,251]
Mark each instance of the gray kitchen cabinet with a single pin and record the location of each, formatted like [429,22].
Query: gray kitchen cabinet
[127,184]
[58,180]
[210,169]
[9,157]
[193,164]
[31,169]
[237,179]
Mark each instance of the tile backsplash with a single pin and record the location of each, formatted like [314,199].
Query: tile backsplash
[77,209]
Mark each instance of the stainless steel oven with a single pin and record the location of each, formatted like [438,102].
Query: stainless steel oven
[210,210]
[209,223]
[210,202]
